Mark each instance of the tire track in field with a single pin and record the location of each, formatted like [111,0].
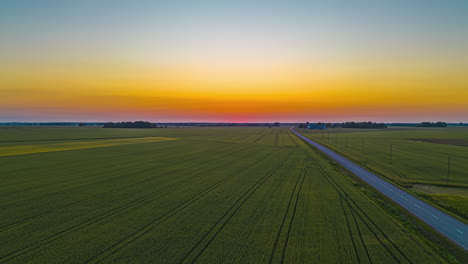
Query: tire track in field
[350,233]
[284,218]
[229,214]
[351,204]
[375,233]
[291,222]
[84,186]
[344,195]
[93,183]
[79,203]
[293,140]
[261,136]
[241,138]
[353,214]
[105,215]
[148,227]
[109,166]
[48,175]
[377,227]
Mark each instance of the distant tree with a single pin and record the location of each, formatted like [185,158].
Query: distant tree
[81,124]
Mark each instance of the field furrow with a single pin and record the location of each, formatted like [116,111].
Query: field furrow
[215,195]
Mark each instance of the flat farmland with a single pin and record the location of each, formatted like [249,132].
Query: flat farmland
[421,159]
[188,195]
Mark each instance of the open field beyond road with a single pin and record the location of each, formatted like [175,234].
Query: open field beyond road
[394,154]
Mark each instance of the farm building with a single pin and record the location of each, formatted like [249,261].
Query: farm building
[316,126]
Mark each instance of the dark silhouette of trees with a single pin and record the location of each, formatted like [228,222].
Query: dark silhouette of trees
[136,124]
[363,125]
[430,124]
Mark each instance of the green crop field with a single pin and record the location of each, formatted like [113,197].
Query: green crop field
[422,159]
[197,195]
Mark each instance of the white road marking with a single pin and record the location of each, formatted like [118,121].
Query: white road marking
[435,217]
[459,231]
[417,206]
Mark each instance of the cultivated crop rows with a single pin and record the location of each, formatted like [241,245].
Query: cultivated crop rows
[239,195]
[395,154]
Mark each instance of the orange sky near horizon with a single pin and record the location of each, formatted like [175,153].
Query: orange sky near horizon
[219,65]
[279,94]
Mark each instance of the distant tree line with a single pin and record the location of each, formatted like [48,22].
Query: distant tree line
[403,124]
[206,124]
[136,124]
[430,124]
[347,125]
[363,125]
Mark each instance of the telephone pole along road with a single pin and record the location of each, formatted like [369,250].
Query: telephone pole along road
[445,224]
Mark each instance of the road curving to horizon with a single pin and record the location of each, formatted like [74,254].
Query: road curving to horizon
[450,227]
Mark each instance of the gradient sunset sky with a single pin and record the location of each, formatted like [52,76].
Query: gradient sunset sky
[234,61]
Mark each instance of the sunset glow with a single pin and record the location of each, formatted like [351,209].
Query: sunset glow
[240,62]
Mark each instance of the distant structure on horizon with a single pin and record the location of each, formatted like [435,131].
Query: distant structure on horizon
[316,126]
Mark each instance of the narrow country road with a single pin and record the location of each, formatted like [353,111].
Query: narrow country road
[445,224]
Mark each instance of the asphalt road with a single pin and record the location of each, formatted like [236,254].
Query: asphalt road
[445,224]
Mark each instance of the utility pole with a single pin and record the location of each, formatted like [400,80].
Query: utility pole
[391,150]
[448,168]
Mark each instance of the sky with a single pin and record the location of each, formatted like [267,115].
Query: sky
[234,61]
